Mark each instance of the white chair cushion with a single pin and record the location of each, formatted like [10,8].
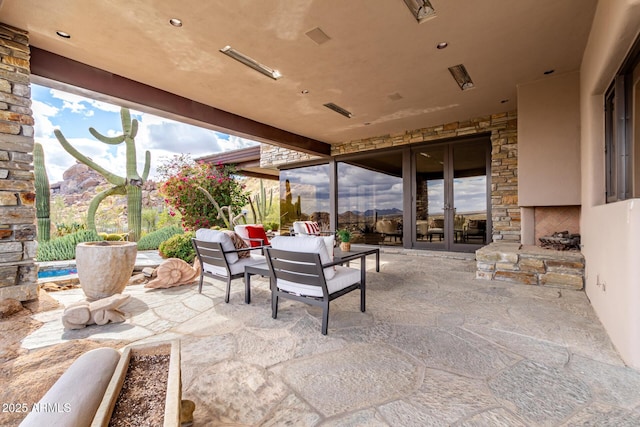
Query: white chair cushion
[235,268]
[306,244]
[216,236]
[329,243]
[241,230]
[344,276]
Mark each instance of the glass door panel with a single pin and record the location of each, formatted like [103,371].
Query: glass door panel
[469,207]
[430,196]
[370,198]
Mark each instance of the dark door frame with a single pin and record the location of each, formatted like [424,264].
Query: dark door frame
[448,243]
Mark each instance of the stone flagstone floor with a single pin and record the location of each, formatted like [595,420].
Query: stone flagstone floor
[435,347]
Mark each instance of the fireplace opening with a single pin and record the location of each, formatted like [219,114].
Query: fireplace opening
[561,241]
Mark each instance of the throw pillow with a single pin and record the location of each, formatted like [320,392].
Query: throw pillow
[306,228]
[238,243]
[257,232]
[312,228]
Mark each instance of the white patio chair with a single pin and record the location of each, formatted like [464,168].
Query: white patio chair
[219,258]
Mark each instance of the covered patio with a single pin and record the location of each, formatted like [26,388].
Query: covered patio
[529,87]
[435,347]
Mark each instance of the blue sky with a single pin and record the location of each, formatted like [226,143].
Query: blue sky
[74,115]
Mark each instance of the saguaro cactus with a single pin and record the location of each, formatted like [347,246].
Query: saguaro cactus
[42,194]
[130,185]
[259,205]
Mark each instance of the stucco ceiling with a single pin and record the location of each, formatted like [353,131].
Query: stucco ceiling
[379,63]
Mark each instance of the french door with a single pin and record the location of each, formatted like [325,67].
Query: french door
[451,195]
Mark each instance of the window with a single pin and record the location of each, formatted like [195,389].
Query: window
[622,126]
[304,195]
[370,198]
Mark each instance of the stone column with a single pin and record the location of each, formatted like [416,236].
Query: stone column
[18,272]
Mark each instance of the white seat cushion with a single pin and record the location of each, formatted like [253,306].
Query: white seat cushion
[306,244]
[344,276]
[235,268]
[216,236]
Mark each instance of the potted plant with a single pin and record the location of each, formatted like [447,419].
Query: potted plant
[344,236]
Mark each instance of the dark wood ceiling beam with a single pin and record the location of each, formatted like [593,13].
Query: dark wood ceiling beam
[58,71]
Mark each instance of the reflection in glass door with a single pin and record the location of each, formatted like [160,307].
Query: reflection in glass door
[451,196]
[430,195]
[469,208]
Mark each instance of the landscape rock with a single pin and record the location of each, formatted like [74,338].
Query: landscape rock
[9,307]
[137,279]
[149,272]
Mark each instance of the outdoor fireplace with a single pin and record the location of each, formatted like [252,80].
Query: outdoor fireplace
[556,227]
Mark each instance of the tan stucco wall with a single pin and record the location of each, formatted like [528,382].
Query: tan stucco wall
[610,232]
[549,141]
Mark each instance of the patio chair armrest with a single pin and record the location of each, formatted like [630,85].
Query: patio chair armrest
[255,239]
[247,249]
[333,263]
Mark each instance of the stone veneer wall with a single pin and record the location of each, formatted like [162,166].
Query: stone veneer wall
[18,271]
[504,161]
[272,156]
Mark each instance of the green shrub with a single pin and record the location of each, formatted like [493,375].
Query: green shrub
[116,237]
[179,246]
[153,240]
[273,226]
[64,248]
[65,229]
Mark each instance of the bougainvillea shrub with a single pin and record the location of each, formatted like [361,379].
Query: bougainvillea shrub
[182,191]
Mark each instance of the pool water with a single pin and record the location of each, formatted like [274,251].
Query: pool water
[56,273]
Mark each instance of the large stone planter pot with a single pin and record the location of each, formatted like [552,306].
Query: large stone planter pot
[104,268]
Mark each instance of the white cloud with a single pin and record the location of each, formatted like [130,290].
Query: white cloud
[71,102]
[80,104]
[103,106]
[41,114]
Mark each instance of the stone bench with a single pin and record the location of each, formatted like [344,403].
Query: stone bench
[530,265]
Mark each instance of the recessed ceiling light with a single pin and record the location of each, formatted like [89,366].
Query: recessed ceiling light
[367,123]
[304,91]
[421,9]
[251,63]
[175,22]
[504,101]
[461,76]
[63,34]
[339,110]
[546,73]
[442,45]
